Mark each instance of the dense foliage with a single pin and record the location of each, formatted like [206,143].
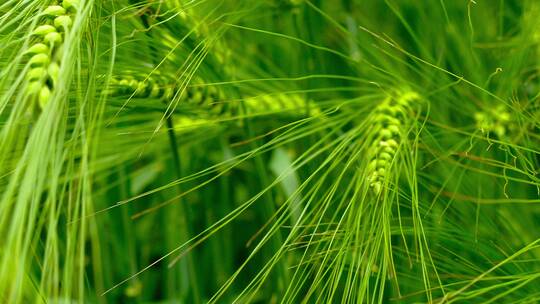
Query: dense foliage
[269,151]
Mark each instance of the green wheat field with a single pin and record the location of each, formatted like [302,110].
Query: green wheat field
[269,151]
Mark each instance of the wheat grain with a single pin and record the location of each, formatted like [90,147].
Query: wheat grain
[54,10]
[70,4]
[38,48]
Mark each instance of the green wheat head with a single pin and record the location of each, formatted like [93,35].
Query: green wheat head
[391,119]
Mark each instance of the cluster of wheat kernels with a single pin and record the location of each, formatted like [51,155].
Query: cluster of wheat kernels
[141,88]
[280,102]
[160,87]
[46,49]
[497,121]
[390,119]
